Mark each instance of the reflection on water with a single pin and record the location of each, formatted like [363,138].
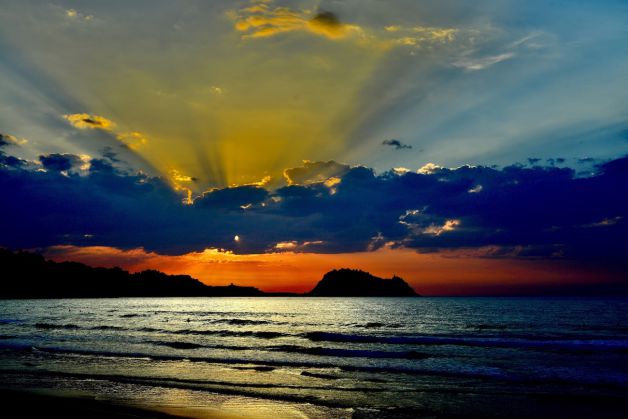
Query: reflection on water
[349,355]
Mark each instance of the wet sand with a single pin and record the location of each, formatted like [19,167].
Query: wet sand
[52,403]
[32,404]
[43,403]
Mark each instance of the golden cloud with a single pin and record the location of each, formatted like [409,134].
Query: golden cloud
[419,35]
[12,139]
[177,179]
[85,121]
[262,21]
[133,140]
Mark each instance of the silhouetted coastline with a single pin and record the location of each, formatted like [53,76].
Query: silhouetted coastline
[30,275]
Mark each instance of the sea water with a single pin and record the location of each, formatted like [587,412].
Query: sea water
[361,356]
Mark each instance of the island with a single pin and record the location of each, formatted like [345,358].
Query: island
[357,283]
[29,275]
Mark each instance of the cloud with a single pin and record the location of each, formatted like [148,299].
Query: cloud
[396,143]
[419,35]
[8,139]
[60,162]
[548,211]
[87,121]
[429,169]
[481,63]
[295,246]
[262,21]
[232,199]
[76,15]
[134,140]
[315,172]
[6,161]
[327,24]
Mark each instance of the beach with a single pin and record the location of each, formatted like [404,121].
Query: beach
[68,404]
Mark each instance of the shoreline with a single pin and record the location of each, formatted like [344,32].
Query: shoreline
[173,403]
[42,403]
[100,401]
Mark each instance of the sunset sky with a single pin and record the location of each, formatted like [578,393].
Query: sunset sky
[470,147]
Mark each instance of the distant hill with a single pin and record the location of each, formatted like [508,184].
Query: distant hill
[356,283]
[29,275]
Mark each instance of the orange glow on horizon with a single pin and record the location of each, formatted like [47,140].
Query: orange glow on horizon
[446,273]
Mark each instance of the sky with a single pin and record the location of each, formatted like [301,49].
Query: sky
[469,147]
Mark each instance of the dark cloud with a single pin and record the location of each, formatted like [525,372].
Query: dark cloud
[60,162]
[396,143]
[533,160]
[7,161]
[236,198]
[10,161]
[327,19]
[516,212]
[315,172]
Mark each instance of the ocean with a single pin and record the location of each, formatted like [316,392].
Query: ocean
[327,357]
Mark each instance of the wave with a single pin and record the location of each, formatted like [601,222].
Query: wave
[267,365]
[349,353]
[294,349]
[217,313]
[261,334]
[603,328]
[238,362]
[150,330]
[50,326]
[257,390]
[488,341]
[70,326]
[566,344]
[107,327]
[483,326]
[258,368]
[320,375]
[193,345]
[227,333]
[375,325]
[179,345]
[241,322]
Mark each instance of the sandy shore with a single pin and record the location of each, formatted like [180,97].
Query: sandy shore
[41,403]
[45,403]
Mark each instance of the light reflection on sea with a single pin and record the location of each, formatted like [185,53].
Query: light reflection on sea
[353,355]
